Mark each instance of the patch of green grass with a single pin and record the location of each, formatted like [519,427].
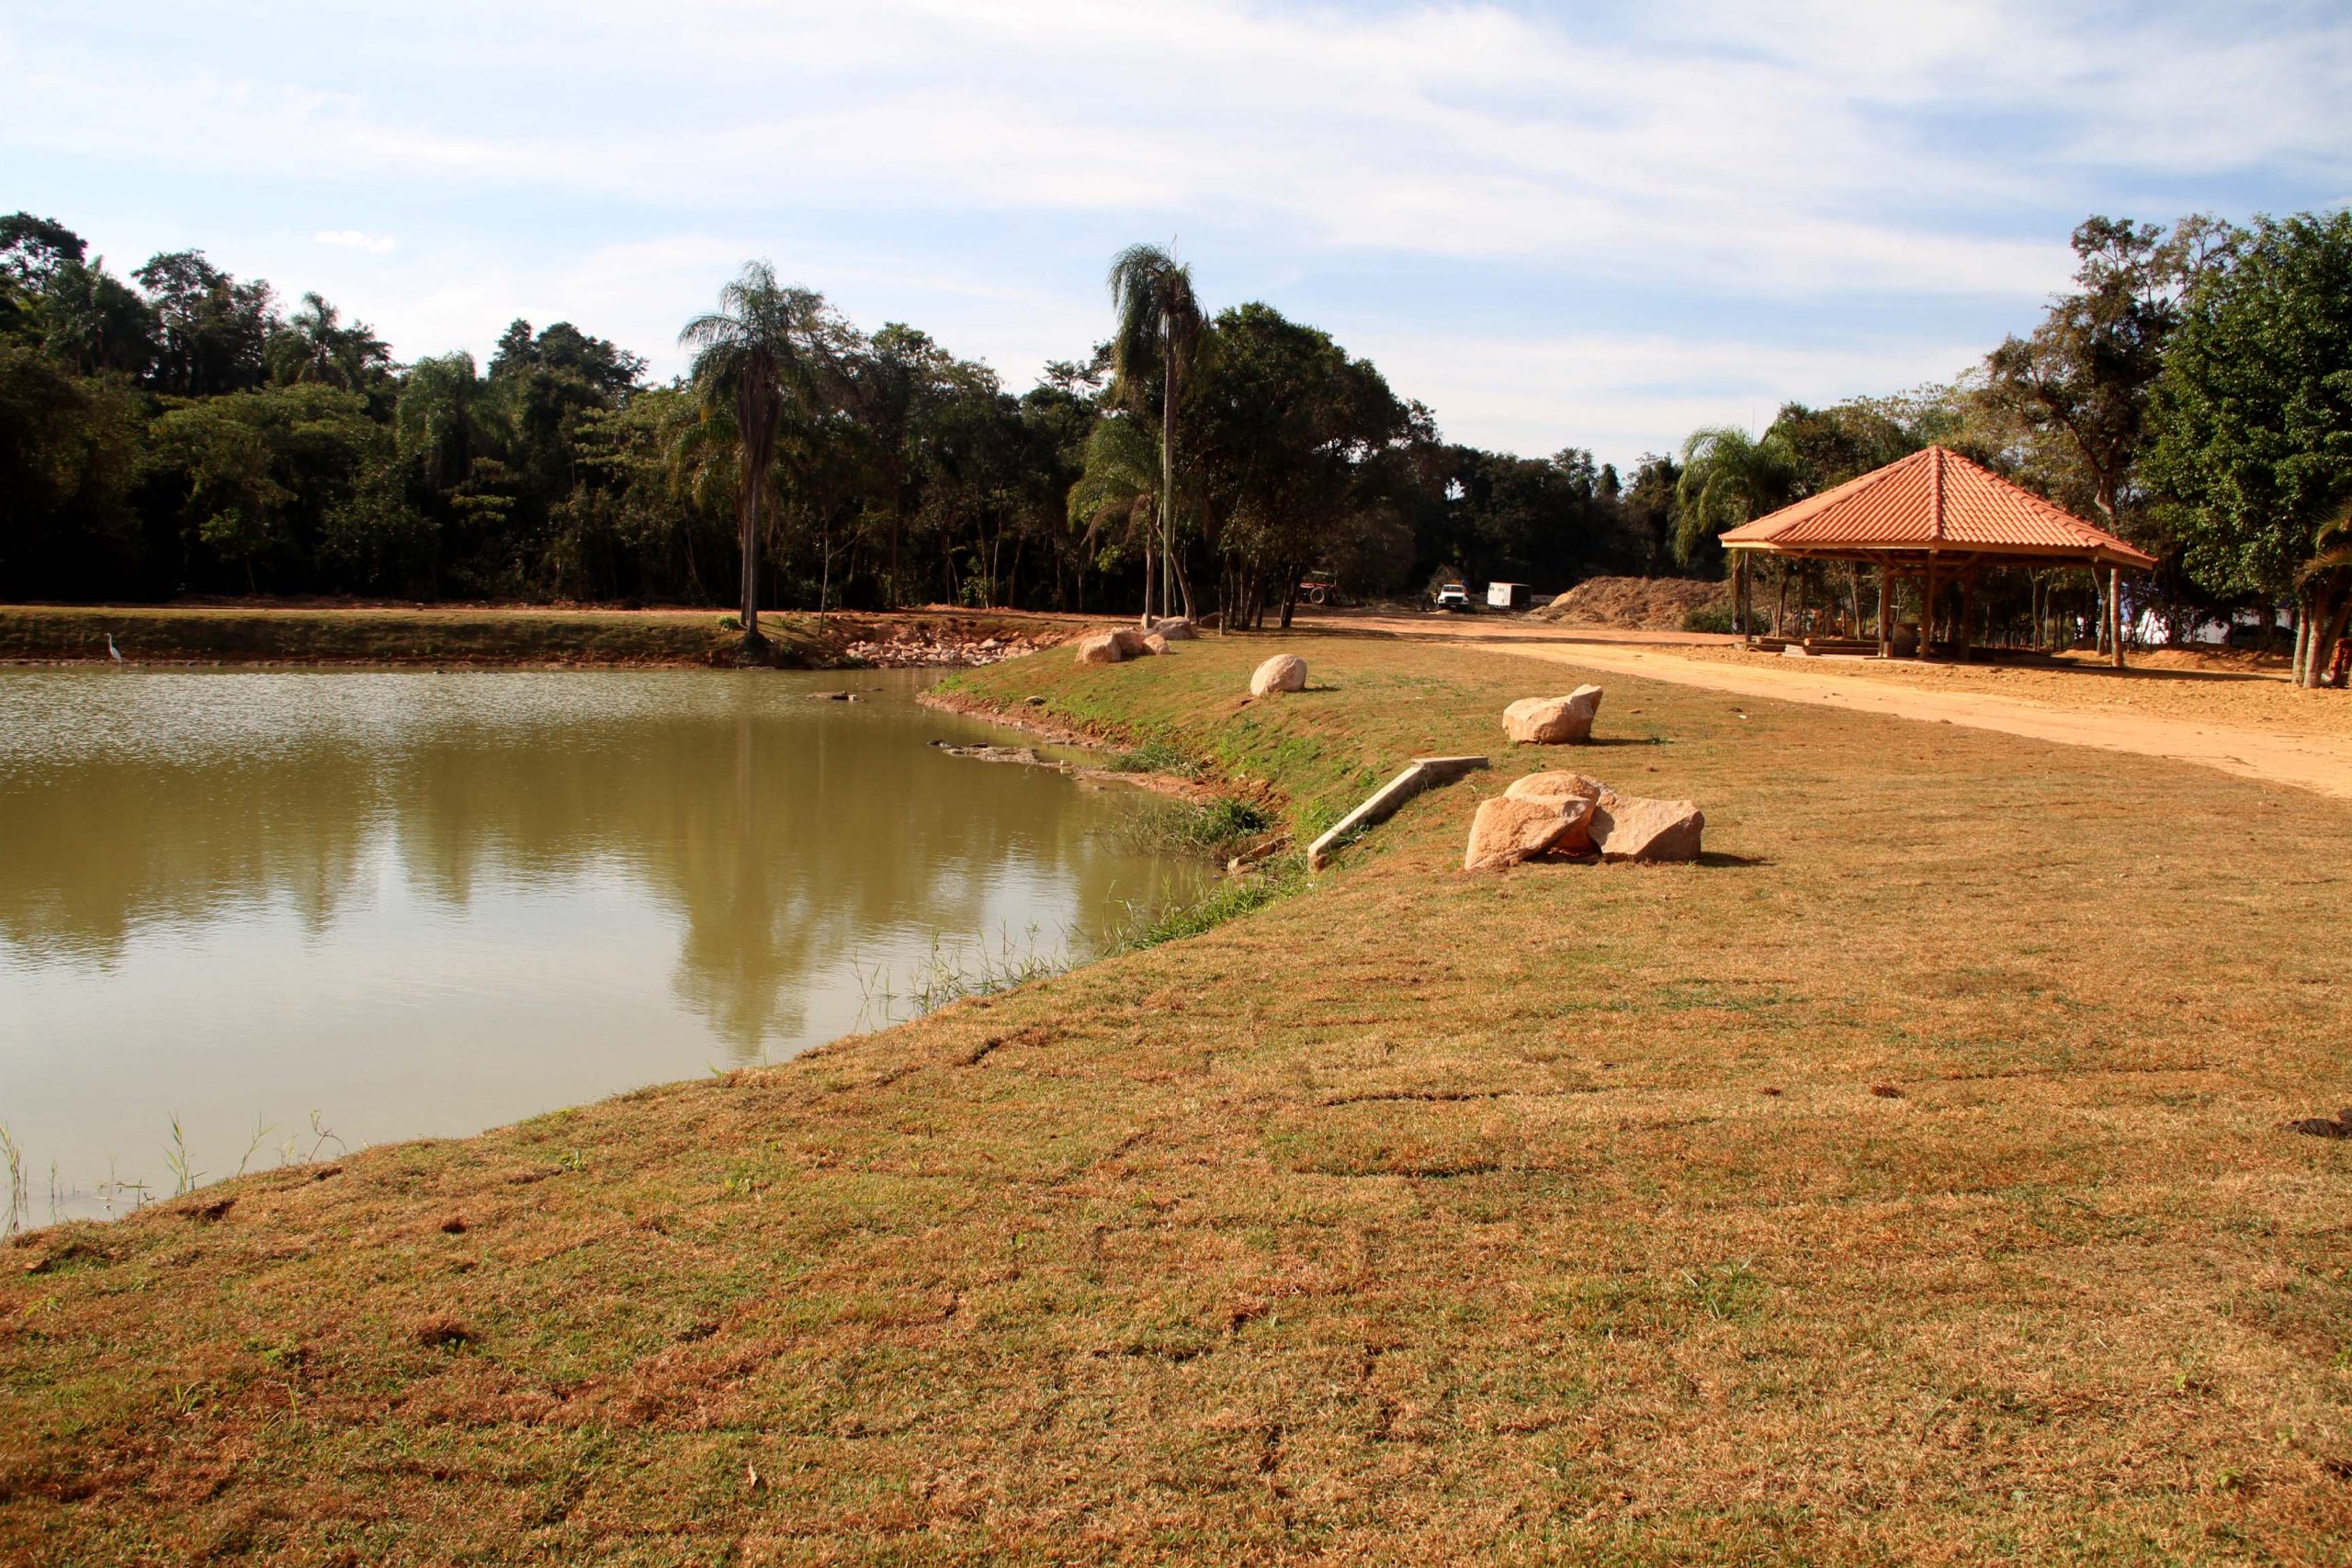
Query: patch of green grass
[1216,830]
[1154,757]
[1227,900]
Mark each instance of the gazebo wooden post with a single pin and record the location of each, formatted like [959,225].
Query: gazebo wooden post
[1885,610]
[1927,611]
[1740,623]
[2115,614]
[1967,597]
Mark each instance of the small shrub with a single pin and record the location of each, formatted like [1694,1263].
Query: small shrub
[1215,830]
[1709,618]
[1155,757]
[1227,901]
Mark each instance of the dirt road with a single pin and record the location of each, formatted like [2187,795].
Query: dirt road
[2321,762]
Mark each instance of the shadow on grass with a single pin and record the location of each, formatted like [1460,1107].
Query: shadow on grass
[1717,857]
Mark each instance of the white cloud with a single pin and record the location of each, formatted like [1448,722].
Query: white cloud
[1786,156]
[1668,163]
[1620,395]
[355,239]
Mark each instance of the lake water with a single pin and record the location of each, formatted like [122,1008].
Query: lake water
[424,904]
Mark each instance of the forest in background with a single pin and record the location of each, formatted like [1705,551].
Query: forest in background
[179,431]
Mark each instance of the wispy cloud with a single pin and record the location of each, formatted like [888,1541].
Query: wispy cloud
[1672,177]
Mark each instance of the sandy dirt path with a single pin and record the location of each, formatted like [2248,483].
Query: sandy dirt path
[2318,762]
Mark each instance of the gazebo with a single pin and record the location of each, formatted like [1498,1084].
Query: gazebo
[1936,518]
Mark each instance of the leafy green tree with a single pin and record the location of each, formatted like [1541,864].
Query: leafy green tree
[2065,410]
[1296,447]
[1645,519]
[212,329]
[95,322]
[900,377]
[258,473]
[1158,327]
[1847,440]
[2252,422]
[69,445]
[1548,520]
[767,354]
[33,249]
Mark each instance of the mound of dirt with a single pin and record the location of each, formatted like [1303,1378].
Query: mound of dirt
[1639,603]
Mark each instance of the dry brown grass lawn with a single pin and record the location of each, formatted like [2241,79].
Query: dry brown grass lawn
[1414,1218]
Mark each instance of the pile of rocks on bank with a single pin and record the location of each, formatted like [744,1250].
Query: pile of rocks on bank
[922,647]
[1123,643]
[1566,816]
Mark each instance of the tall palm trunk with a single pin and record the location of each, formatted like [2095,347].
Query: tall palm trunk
[756,421]
[1166,462]
[747,519]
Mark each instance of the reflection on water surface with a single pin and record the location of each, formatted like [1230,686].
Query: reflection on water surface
[430,903]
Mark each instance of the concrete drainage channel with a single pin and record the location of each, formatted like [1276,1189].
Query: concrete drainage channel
[1423,773]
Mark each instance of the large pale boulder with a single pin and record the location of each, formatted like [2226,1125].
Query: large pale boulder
[1552,721]
[1556,786]
[1133,644]
[1154,642]
[1283,673]
[1102,648]
[1627,826]
[1506,831]
[1573,793]
[1175,629]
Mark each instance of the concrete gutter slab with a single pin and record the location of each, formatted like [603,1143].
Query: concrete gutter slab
[1423,773]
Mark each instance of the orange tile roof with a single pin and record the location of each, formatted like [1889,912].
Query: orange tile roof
[1935,499]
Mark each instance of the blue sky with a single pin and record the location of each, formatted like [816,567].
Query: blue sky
[1590,225]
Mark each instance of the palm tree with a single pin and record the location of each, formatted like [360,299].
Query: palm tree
[1729,477]
[447,417]
[1158,327]
[1118,489]
[2326,581]
[315,346]
[763,357]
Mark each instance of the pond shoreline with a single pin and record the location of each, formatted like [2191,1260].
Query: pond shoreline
[1194,790]
[515,637]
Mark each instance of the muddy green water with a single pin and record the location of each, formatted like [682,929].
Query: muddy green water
[419,904]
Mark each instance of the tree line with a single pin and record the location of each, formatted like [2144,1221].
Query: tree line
[178,432]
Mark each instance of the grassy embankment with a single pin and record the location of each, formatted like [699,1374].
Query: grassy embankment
[1909,1182]
[455,634]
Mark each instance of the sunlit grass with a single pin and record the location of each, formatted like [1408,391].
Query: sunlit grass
[1400,1216]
